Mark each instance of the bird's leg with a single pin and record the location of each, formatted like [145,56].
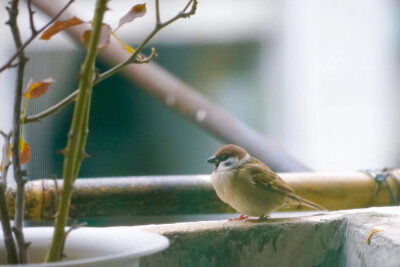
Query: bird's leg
[241,217]
[261,219]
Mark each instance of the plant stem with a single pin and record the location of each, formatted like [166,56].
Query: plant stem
[77,135]
[18,173]
[9,242]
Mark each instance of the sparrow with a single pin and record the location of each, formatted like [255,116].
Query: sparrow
[250,186]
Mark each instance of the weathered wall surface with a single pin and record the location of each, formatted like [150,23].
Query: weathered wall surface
[330,239]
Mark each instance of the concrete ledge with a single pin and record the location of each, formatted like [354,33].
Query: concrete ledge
[329,239]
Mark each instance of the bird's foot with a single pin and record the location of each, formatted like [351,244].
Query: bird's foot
[240,218]
[261,219]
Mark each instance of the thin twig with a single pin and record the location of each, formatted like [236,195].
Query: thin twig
[31,21]
[33,36]
[9,242]
[187,6]
[135,58]
[18,173]
[54,109]
[72,228]
[158,19]
[148,59]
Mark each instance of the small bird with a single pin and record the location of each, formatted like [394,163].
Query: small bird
[250,186]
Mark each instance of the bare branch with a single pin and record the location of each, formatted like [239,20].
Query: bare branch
[158,20]
[33,36]
[18,174]
[14,65]
[188,5]
[53,109]
[183,14]
[9,242]
[31,21]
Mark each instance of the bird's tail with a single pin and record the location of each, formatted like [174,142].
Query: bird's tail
[302,201]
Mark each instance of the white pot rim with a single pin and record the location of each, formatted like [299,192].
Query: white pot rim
[117,243]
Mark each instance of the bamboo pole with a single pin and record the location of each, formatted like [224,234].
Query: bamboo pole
[167,195]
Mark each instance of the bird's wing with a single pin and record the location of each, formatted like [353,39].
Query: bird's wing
[261,175]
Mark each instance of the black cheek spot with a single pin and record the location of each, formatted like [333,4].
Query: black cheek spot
[227,164]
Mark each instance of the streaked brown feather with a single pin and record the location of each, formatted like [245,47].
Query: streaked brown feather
[261,175]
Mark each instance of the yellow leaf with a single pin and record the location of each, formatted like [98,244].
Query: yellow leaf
[59,26]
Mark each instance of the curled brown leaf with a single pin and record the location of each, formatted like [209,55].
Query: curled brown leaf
[59,26]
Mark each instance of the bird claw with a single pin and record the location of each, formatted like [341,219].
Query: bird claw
[240,218]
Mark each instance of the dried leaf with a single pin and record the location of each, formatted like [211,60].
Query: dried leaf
[25,153]
[36,89]
[136,12]
[59,26]
[85,37]
[104,37]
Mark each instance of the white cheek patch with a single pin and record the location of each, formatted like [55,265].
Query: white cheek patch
[228,164]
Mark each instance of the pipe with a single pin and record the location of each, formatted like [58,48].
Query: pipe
[169,195]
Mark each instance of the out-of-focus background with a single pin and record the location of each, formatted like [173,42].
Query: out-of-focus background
[318,77]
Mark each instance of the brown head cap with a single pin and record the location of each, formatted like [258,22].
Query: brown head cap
[231,151]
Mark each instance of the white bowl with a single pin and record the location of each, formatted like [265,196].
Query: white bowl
[87,246]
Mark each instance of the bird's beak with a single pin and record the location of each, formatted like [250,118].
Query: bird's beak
[212,160]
